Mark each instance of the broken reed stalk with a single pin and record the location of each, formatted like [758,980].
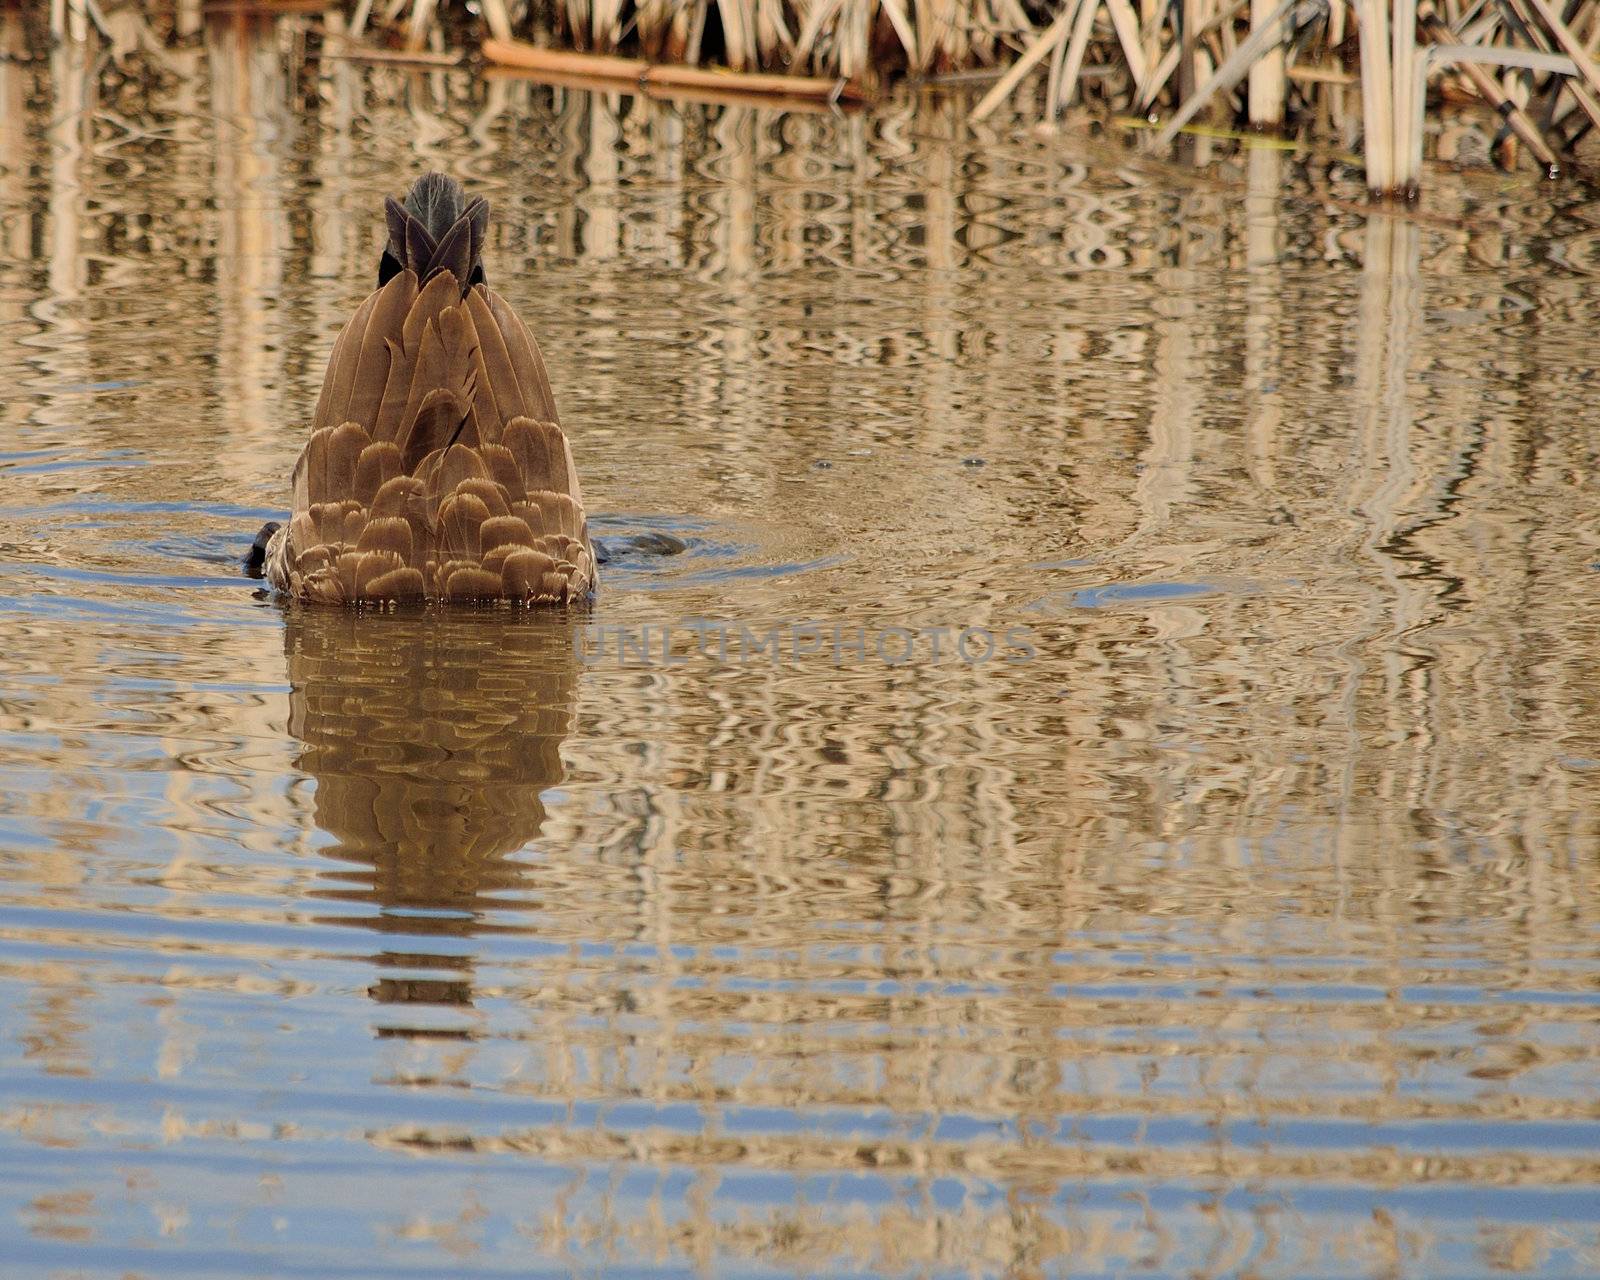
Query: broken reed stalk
[1578,52]
[591,66]
[1570,43]
[1032,57]
[1489,90]
[673,92]
[1233,69]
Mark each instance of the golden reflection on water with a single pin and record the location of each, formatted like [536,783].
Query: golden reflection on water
[430,742]
[1248,927]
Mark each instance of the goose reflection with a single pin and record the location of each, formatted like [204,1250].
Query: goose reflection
[431,741]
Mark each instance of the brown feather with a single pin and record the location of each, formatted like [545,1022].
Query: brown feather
[355,524]
[458,463]
[345,445]
[436,423]
[372,370]
[500,377]
[464,331]
[523,573]
[447,569]
[463,366]
[311,473]
[503,467]
[322,416]
[398,497]
[428,378]
[494,558]
[388,533]
[398,584]
[374,565]
[314,558]
[327,518]
[549,513]
[300,482]
[378,464]
[489,492]
[396,391]
[558,583]
[436,295]
[502,532]
[472,583]
[322,587]
[334,403]
[526,361]
[461,515]
[540,453]
[435,466]
[404,498]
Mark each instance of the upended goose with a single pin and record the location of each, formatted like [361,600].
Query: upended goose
[436,468]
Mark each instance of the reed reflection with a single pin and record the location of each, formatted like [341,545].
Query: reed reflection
[431,741]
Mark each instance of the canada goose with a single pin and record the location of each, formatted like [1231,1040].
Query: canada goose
[436,467]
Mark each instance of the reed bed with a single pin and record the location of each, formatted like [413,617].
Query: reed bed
[1275,65]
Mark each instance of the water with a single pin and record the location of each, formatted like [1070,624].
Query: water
[1236,917]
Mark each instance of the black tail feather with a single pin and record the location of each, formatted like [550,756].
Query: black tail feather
[436,229]
[436,201]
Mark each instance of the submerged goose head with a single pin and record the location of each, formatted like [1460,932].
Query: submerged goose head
[437,468]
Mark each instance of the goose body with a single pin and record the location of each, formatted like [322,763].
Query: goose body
[437,468]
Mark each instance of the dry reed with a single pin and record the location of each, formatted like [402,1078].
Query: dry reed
[1269,64]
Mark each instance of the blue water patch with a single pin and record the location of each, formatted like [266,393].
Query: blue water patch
[181,582]
[148,614]
[1138,593]
[101,507]
[782,569]
[1120,593]
[54,463]
[218,547]
[84,388]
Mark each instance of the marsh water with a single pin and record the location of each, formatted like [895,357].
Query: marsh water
[1220,898]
